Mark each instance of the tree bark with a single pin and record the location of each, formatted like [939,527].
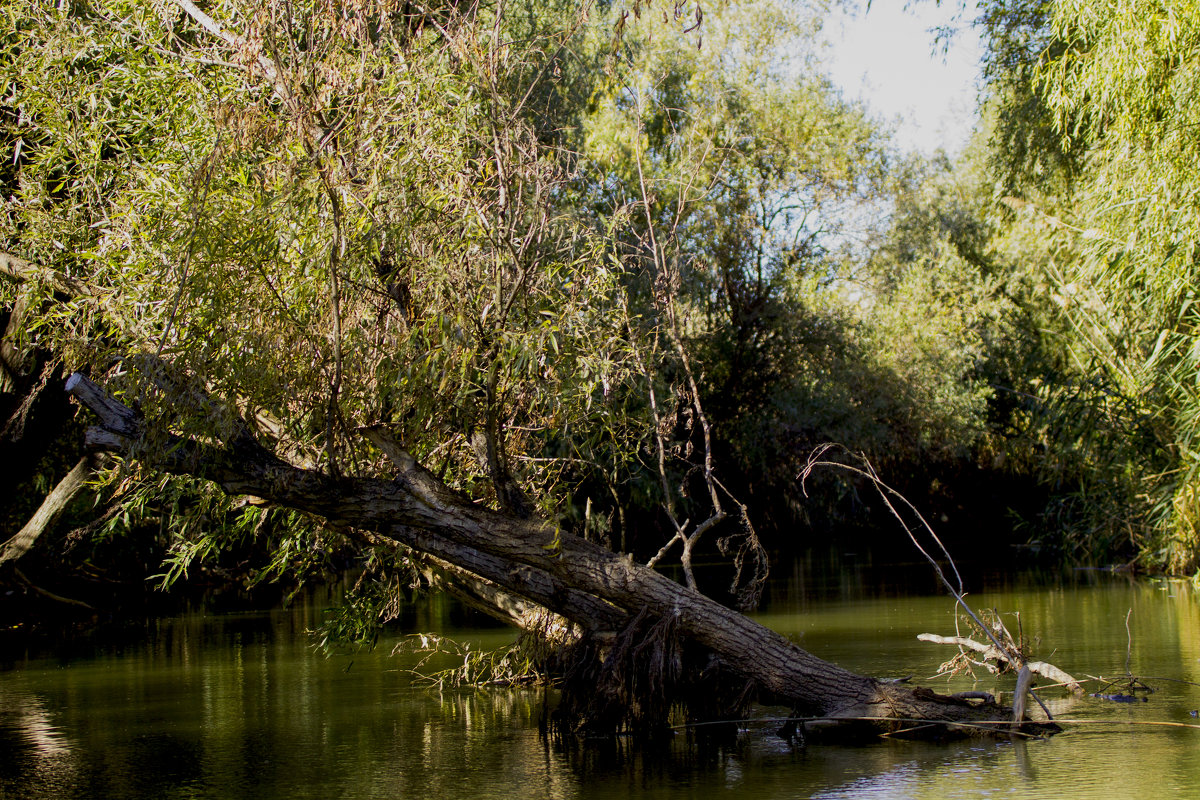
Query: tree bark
[50,510]
[586,584]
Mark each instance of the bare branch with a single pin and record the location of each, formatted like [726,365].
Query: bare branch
[1046,670]
[50,510]
[1012,655]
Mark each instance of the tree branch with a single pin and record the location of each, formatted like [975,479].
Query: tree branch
[568,575]
[50,510]
[989,651]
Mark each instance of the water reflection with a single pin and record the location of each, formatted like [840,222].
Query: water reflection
[40,751]
[241,706]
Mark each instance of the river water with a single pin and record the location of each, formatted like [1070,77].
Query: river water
[242,706]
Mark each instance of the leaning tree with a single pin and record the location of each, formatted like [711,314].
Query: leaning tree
[322,265]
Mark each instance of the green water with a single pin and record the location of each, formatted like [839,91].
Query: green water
[241,706]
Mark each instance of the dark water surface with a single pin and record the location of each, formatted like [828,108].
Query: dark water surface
[241,706]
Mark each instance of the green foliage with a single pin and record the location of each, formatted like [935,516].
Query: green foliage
[1138,214]
[447,664]
[494,231]
[958,311]
[1026,153]
[740,174]
[1092,152]
[383,585]
[1121,84]
[374,238]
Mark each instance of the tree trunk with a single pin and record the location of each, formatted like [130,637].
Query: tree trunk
[598,590]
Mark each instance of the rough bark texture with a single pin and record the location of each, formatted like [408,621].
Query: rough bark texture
[595,588]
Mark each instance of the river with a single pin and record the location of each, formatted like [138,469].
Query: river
[242,706]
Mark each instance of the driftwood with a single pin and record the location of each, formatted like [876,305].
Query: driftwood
[1007,650]
[993,653]
[601,592]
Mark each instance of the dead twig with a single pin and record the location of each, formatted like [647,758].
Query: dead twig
[1012,655]
[1046,670]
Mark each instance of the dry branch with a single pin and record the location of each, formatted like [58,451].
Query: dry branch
[50,510]
[990,652]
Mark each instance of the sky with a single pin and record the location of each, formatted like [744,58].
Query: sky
[887,57]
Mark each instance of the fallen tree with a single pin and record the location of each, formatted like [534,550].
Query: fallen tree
[602,593]
[382,255]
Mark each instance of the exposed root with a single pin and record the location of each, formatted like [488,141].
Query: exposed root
[638,682]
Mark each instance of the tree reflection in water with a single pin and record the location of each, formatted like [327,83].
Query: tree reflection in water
[242,706]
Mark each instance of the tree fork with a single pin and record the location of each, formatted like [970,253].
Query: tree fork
[529,558]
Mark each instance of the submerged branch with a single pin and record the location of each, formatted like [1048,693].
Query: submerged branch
[988,651]
[1012,655]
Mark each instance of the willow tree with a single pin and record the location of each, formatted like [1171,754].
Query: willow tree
[1138,215]
[332,215]
[311,264]
[1097,149]
[761,184]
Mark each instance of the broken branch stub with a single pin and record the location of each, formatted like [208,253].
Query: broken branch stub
[990,652]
